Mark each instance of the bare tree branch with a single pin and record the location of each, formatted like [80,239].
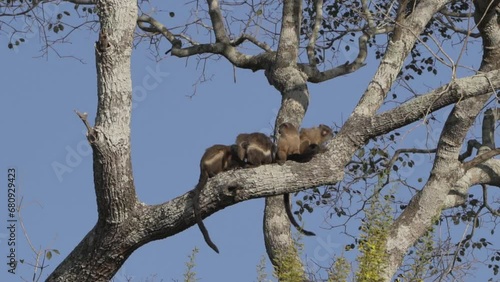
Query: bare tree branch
[481,159]
[252,39]
[316,76]
[217,21]
[288,46]
[447,170]
[459,89]
[318,17]
[226,49]
[491,116]
[487,173]
[401,44]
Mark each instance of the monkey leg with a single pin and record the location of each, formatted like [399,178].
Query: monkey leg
[255,158]
[281,157]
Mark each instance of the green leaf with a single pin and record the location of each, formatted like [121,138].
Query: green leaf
[259,12]
[49,255]
[361,153]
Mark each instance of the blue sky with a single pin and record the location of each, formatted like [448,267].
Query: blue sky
[170,132]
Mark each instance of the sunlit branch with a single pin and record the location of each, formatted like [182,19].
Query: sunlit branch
[491,116]
[488,173]
[318,17]
[481,158]
[494,212]
[253,62]
[316,76]
[459,89]
[368,15]
[288,46]
[217,21]
[156,26]
[246,37]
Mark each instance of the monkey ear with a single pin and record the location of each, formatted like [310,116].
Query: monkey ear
[325,129]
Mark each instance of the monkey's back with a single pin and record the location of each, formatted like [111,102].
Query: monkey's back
[215,160]
[255,147]
[260,146]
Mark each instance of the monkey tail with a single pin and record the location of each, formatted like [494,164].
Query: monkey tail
[286,198]
[196,207]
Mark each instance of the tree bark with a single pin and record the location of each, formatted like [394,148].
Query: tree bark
[423,209]
[110,141]
[285,76]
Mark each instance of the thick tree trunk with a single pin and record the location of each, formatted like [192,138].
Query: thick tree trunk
[292,84]
[277,234]
[101,253]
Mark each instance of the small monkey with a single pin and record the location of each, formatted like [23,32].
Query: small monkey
[289,146]
[311,140]
[288,143]
[216,159]
[254,149]
[314,136]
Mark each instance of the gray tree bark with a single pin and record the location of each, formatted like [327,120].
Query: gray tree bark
[94,259]
[448,171]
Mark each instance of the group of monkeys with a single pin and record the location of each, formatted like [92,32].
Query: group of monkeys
[255,149]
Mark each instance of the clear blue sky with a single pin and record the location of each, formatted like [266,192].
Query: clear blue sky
[169,134]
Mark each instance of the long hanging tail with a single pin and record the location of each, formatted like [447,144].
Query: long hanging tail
[196,208]
[289,213]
